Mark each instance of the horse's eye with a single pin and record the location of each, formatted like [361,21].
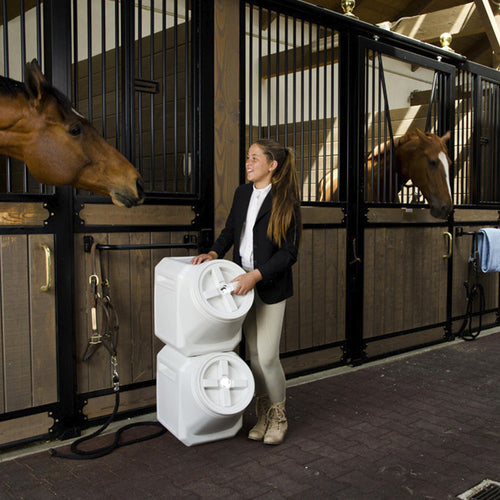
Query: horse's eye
[75,130]
[433,163]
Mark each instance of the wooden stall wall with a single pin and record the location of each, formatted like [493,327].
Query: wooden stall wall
[131,277]
[405,287]
[28,367]
[314,327]
[470,221]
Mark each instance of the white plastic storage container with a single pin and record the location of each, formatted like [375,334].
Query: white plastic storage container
[195,309]
[202,398]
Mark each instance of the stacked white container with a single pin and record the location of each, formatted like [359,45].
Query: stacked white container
[202,386]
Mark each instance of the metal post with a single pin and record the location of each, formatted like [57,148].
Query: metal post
[57,53]
[352,78]
[203,92]
[127,79]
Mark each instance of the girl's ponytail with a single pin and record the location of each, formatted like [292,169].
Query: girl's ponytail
[285,190]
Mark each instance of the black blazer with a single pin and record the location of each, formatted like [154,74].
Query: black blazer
[273,261]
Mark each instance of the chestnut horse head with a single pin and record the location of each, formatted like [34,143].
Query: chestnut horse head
[58,145]
[421,157]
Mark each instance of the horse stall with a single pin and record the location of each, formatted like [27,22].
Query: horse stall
[378,273]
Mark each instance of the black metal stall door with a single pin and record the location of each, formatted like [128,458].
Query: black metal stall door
[405,251]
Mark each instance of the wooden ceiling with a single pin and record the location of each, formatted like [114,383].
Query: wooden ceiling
[474,24]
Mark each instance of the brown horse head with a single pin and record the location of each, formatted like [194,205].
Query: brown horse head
[423,158]
[60,146]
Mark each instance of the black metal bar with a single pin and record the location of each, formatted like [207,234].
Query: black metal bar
[188,184]
[268,80]
[277,86]
[117,75]
[139,79]
[89,60]
[146,246]
[176,97]
[103,67]
[351,87]
[127,79]
[203,147]
[163,102]
[57,53]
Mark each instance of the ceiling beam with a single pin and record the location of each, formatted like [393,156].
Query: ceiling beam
[491,28]
[463,20]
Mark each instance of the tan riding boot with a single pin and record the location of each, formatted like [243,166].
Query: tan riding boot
[277,424]
[257,432]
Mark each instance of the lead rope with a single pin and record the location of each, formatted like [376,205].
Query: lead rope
[101,301]
[474,292]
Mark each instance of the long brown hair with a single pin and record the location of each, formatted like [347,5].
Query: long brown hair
[285,189]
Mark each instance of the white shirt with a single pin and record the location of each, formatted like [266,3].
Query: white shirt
[246,243]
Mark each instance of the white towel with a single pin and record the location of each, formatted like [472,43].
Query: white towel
[488,247]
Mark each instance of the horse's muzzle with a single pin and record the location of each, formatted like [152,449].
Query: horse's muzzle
[441,211]
[128,200]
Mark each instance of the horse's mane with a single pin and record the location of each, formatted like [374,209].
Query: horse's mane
[10,87]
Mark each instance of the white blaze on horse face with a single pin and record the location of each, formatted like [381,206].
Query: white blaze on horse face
[446,166]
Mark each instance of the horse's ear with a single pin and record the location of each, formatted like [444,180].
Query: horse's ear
[34,80]
[422,135]
[446,137]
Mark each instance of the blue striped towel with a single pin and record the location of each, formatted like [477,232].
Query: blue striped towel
[488,247]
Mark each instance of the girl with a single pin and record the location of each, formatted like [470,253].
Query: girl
[264,229]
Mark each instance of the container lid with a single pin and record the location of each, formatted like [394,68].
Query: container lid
[224,384]
[216,290]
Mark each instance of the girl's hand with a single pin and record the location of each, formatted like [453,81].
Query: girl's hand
[246,282]
[204,257]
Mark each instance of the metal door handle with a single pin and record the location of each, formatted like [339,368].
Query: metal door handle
[354,253]
[450,245]
[48,269]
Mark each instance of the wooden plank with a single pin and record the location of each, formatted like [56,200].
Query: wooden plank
[156,256]
[141,304]
[404,342]
[331,285]
[119,272]
[468,215]
[82,273]
[383,287]
[42,322]
[391,279]
[226,108]
[15,430]
[461,20]
[400,215]
[341,235]
[491,27]
[306,284]
[369,283]
[22,214]
[94,373]
[137,398]
[143,215]
[322,215]
[312,360]
[319,276]
[292,319]
[15,322]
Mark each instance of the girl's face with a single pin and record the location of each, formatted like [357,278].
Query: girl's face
[259,168]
